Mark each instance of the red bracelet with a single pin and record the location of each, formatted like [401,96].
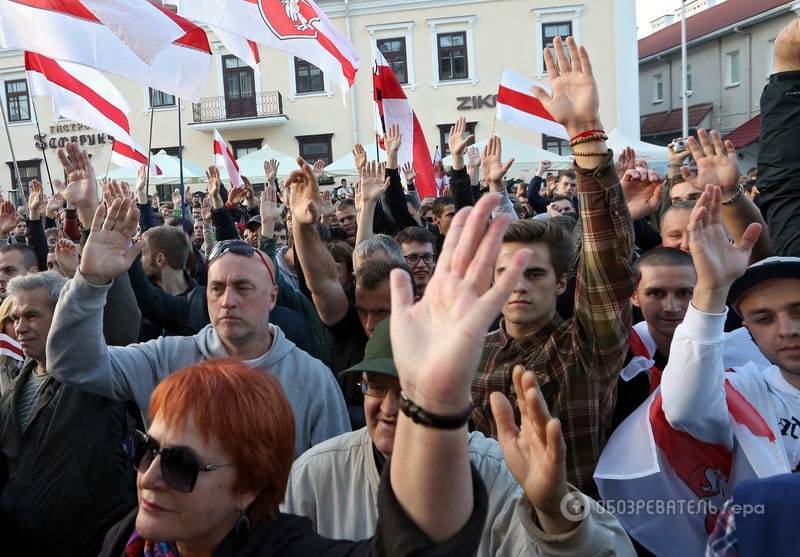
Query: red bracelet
[588,133]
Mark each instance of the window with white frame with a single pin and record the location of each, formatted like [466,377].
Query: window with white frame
[658,88]
[453,50]
[17,100]
[161,99]
[394,50]
[306,79]
[395,42]
[733,68]
[557,21]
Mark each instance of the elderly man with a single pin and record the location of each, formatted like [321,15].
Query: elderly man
[335,483]
[241,293]
[63,503]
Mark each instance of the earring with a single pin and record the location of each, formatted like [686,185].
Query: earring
[243,524]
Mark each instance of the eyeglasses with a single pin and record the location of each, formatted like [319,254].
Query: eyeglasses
[414,258]
[238,247]
[179,467]
[377,390]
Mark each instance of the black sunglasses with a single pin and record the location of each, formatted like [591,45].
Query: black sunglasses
[179,467]
[239,247]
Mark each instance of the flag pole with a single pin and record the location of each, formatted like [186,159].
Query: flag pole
[41,142]
[149,148]
[11,148]
[180,159]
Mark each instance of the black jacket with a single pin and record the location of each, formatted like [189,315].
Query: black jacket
[289,536]
[66,479]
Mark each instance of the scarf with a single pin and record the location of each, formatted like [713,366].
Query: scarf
[139,547]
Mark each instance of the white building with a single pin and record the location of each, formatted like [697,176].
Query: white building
[447,53]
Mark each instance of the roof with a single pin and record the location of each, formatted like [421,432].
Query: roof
[658,123]
[746,134]
[703,23]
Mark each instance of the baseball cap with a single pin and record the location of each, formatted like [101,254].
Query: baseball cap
[377,354]
[769,269]
[256,220]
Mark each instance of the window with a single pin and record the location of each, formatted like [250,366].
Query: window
[452,56]
[245,147]
[556,145]
[17,101]
[658,88]
[733,68]
[161,99]
[444,136]
[550,31]
[28,171]
[314,147]
[394,50]
[240,88]
[171,151]
[307,77]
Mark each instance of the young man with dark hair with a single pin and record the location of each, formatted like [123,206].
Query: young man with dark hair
[15,260]
[418,249]
[346,215]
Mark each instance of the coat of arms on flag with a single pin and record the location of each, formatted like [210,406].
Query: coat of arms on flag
[289,19]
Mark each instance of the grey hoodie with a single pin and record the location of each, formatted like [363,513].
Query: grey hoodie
[78,356]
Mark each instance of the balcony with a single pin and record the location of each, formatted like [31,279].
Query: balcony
[263,109]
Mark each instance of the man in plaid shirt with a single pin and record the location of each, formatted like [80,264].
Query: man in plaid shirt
[577,361]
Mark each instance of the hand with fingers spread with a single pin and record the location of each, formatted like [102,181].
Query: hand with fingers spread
[494,169]
[108,251]
[716,163]
[66,253]
[35,200]
[250,198]
[116,190]
[474,165]
[214,183]
[718,262]
[318,168]
[642,189]
[457,142]
[271,170]
[177,199]
[574,101]
[535,452]
[374,182]
[305,199]
[326,208]
[270,211]
[8,218]
[81,189]
[392,140]
[409,173]
[360,156]
[626,161]
[54,205]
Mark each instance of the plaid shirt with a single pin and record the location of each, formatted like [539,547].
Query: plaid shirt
[576,361]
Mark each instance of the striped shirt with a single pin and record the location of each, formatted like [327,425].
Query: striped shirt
[28,398]
[576,361]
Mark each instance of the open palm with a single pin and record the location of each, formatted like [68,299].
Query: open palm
[81,187]
[716,162]
[108,252]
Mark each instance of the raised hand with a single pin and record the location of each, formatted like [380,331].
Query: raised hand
[360,156]
[458,307]
[626,161]
[392,140]
[116,190]
[717,261]
[642,189]
[543,167]
[214,182]
[318,168]
[304,202]
[8,218]
[458,143]
[54,205]
[66,253]
[177,200]
[236,195]
[249,193]
[374,182]
[494,169]
[269,208]
[535,452]
[716,163]
[474,164]
[326,204]
[140,188]
[271,169]
[35,200]
[81,188]
[205,210]
[409,173]
[108,251]
[677,157]
[574,101]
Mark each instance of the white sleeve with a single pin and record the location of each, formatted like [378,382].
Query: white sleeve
[692,385]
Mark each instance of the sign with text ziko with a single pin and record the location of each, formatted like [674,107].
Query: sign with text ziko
[88,138]
[476,102]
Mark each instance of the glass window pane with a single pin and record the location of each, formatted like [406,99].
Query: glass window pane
[445,40]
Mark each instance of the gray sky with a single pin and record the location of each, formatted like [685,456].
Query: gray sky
[651,9]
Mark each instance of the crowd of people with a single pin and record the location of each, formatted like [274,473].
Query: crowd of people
[285,371]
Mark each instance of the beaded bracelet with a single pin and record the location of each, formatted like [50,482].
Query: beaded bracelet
[735,197]
[591,154]
[588,139]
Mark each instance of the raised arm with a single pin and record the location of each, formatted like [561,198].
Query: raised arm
[316,261]
[372,182]
[460,182]
[494,170]
[692,383]
[437,345]
[81,189]
[36,238]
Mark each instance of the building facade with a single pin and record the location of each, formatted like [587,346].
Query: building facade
[448,54]
[730,47]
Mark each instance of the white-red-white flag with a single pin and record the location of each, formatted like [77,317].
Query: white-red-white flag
[298,27]
[245,50]
[86,96]
[391,108]
[11,347]
[517,105]
[223,156]
[132,156]
[67,30]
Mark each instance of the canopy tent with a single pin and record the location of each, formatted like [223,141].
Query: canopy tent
[252,164]
[618,140]
[346,166]
[526,157]
[170,168]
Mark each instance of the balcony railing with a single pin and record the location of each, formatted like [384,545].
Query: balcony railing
[265,104]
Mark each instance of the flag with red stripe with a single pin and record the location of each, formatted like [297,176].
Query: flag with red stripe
[86,96]
[223,156]
[393,109]
[517,105]
[245,50]
[11,347]
[298,27]
[68,30]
